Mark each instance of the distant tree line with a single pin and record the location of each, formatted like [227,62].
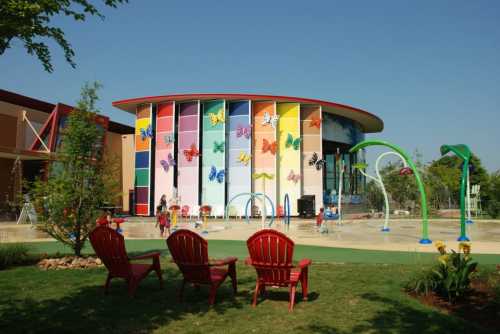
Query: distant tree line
[442,185]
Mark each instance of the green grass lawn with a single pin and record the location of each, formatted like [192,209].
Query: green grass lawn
[222,248]
[346,296]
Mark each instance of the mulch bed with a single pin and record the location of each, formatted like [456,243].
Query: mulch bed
[481,306]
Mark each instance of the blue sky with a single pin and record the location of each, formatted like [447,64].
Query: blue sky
[429,69]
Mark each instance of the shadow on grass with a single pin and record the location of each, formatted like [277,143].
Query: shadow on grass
[393,316]
[282,294]
[88,310]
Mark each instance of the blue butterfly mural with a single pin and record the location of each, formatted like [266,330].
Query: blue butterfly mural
[145,133]
[216,175]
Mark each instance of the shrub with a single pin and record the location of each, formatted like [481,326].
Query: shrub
[13,254]
[493,208]
[450,278]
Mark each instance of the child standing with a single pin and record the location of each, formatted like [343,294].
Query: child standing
[320,222]
[319,218]
[163,220]
[104,219]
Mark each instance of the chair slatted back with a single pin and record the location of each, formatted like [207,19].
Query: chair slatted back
[190,253]
[109,246]
[271,253]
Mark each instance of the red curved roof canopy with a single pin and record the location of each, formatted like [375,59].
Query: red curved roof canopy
[368,121]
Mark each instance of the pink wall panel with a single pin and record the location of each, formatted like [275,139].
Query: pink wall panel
[164,179]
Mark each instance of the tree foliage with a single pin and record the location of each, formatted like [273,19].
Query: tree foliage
[374,196]
[442,183]
[29,21]
[493,193]
[78,181]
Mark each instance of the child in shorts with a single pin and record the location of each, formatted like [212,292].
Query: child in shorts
[319,218]
[162,220]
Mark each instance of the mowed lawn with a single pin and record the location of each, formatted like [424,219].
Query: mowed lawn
[344,297]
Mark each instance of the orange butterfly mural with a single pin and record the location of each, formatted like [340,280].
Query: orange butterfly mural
[316,121]
[192,152]
[268,147]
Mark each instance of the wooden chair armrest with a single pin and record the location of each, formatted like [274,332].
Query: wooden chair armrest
[227,260]
[146,256]
[304,263]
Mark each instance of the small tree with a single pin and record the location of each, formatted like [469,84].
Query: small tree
[68,199]
[374,196]
[402,188]
[493,205]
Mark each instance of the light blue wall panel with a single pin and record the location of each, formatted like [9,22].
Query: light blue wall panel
[214,131]
[239,142]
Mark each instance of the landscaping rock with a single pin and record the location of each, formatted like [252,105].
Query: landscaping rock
[70,262]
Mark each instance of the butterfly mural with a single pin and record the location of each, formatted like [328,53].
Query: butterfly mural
[169,162]
[216,118]
[146,132]
[268,147]
[216,175]
[169,138]
[272,120]
[244,158]
[293,177]
[291,142]
[317,162]
[243,131]
[191,153]
[218,147]
[316,121]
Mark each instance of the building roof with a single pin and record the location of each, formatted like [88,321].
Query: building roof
[369,122]
[31,103]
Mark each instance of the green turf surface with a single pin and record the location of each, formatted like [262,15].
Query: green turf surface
[222,248]
[343,298]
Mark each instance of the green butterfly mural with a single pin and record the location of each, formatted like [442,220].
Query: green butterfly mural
[218,147]
[291,142]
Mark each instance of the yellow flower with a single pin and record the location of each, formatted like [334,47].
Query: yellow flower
[441,247]
[465,246]
[443,258]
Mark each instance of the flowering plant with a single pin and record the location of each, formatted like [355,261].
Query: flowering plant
[450,277]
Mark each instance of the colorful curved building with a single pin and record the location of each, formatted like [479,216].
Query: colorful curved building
[206,147]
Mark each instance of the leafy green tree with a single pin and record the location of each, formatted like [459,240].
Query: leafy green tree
[401,188]
[29,21]
[374,196]
[444,178]
[493,204]
[78,184]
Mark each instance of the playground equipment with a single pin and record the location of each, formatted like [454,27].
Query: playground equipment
[475,199]
[258,196]
[378,180]
[286,213]
[423,198]
[468,197]
[28,212]
[174,209]
[341,182]
[463,152]
[205,211]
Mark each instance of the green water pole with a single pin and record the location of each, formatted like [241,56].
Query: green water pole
[463,152]
[423,197]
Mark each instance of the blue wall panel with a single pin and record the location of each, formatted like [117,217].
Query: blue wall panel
[239,155]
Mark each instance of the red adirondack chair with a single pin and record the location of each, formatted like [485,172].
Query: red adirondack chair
[190,253]
[109,245]
[271,254]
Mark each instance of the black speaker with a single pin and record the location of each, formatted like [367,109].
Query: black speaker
[131,202]
[306,206]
